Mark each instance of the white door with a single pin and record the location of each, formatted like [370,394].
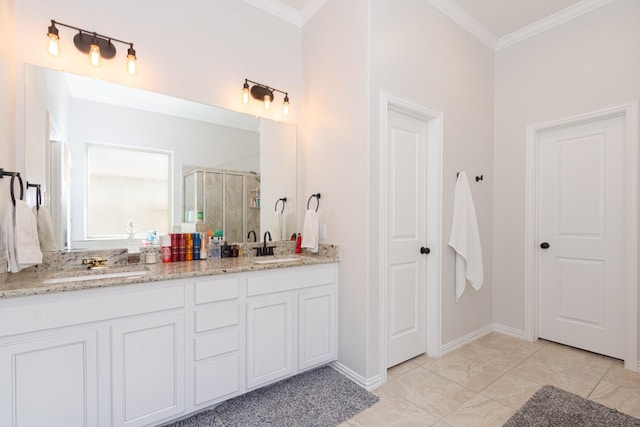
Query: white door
[580,232]
[406,235]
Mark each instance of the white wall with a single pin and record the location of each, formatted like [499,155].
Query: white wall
[412,51]
[334,161]
[422,56]
[584,65]
[8,98]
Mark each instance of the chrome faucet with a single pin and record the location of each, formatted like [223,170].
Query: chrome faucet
[255,238]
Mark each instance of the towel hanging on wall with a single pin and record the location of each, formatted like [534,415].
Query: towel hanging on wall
[20,237]
[465,238]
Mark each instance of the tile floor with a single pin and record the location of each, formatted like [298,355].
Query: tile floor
[483,383]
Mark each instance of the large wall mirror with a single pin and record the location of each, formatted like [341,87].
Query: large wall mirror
[116,162]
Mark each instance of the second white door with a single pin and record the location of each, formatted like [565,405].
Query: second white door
[406,235]
[581,235]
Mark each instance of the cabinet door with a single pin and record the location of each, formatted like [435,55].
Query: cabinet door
[49,381]
[317,328]
[269,339]
[148,369]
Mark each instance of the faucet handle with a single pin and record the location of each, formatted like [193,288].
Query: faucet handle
[94,262]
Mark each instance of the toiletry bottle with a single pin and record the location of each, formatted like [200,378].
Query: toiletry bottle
[174,247]
[299,244]
[165,248]
[188,247]
[196,246]
[182,242]
[204,246]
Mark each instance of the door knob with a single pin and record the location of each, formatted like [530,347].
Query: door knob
[424,250]
[544,245]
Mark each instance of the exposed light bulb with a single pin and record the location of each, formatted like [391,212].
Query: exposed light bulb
[94,53]
[267,101]
[285,105]
[54,45]
[245,93]
[132,67]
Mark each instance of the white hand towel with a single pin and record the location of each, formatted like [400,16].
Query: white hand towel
[45,229]
[283,230]
[465,238]
[277,226]
[21,237]
[310,231]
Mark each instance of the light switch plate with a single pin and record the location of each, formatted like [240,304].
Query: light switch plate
[323,231]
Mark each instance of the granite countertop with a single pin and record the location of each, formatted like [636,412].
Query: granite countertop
[42,281]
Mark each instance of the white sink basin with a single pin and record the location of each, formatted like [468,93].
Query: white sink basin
[276,260]
[95,277]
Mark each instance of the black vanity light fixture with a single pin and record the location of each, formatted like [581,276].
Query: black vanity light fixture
[263,93]
[97,46]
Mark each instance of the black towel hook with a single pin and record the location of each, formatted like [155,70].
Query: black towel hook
[317,196]
[13,176]
[38,193]
[283,200]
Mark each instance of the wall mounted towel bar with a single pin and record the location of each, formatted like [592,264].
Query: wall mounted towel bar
[283,200]
[317,196]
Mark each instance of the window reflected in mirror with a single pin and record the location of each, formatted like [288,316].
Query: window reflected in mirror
[129,191]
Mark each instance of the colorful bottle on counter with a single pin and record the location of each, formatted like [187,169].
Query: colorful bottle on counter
[182,243]
[299,244]
[188,247]
[165,248]
[174,247]
[196,246]
[204,246]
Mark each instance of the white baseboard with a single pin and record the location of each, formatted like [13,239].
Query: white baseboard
[366,383]
[508,330]
[459,342]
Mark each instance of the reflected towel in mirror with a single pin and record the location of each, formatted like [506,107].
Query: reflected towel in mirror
[277,226]
[45,229]
[311,231]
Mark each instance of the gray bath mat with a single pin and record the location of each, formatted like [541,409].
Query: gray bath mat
[318,398]
[553,407]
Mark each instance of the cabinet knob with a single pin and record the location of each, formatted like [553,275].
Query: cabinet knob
[424,250]
[544,245]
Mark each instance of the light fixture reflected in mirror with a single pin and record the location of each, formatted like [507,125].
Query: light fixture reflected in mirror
[263,93]
[97,46]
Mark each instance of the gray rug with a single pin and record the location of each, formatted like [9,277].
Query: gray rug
[553,407]
[318,398]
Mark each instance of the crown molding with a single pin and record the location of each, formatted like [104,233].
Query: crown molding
[279,10]
[551,21]
[454,12]
[466,21]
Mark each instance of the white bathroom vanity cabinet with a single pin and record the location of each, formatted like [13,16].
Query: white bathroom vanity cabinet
[147,353]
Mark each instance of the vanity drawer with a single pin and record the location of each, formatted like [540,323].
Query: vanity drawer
[218,316]
[280,282]
[217,290]
[217,343]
